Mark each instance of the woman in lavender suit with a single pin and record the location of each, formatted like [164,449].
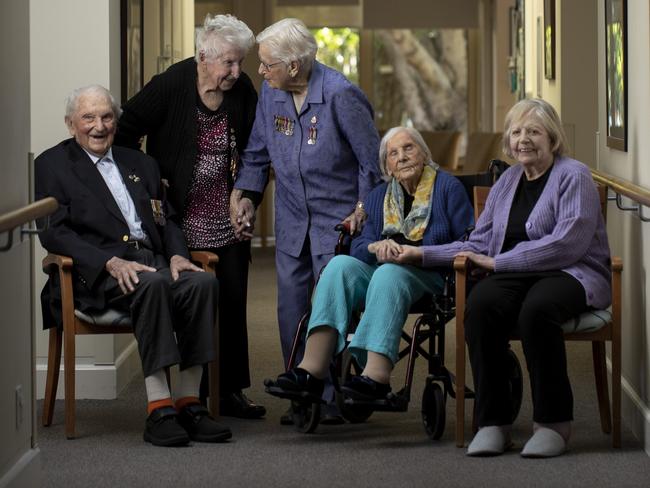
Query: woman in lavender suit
[317,130]
[542,240]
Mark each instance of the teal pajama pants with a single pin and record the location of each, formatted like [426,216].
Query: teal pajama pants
[386,293]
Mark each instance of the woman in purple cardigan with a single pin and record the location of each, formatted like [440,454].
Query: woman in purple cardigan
[542,240]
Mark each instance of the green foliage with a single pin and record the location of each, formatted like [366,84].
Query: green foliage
[339,49]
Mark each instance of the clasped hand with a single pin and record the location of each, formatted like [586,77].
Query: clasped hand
[242,215]
[126,272]
[389,251]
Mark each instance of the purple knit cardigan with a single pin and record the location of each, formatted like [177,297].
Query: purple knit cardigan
[566,231]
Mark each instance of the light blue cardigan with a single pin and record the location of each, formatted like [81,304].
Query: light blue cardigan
[566,231]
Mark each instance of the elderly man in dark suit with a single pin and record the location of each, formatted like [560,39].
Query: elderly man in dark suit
[129,253]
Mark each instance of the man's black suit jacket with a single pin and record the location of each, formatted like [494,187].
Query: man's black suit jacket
[88,225]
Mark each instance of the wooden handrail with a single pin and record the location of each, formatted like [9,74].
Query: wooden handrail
[28,213]
[623,187]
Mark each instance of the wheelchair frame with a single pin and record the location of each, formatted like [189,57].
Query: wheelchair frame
[435,311]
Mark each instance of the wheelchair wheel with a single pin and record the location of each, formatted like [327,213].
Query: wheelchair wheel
[305,416]
[516,379]
[433,410]
[354,414]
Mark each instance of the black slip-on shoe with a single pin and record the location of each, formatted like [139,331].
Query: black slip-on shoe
[296,384]
[162,428]
[201,426]
[238,405]
[365,389]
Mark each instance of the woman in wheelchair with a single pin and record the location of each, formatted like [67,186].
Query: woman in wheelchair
[418,204]
[542,241]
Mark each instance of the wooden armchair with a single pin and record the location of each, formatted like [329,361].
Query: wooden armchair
[108,322]
[482,147]
[444,147]
[597,327]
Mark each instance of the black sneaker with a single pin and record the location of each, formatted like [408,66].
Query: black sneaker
[365,389]
[201,426]
[162,428]
[238,405]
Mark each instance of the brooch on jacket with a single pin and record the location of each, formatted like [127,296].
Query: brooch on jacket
[134,178]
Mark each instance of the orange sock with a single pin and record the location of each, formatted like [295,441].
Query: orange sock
[185,401]
[165,402]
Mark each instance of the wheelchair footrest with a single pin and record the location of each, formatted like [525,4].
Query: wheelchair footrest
[392,403]
[298,396]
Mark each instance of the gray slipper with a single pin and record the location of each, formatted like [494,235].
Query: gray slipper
[490,440]
[544,443]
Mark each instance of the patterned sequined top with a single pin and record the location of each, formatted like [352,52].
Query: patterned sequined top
[206,222]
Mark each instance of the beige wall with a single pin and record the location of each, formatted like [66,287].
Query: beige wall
[628,235]
[574,91]
[19,456]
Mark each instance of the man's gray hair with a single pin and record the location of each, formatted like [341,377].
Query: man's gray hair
[72,100]
[383,147]
[218,33]
[290,40]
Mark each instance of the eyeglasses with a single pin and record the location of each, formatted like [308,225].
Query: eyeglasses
[267,67]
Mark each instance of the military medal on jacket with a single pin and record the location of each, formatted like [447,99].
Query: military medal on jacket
[284,125]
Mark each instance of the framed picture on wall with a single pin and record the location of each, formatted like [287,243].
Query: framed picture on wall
[132,69]
[616,73]
[549,39]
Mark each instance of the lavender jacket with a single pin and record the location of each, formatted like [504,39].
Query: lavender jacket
[566,231]
[317,185]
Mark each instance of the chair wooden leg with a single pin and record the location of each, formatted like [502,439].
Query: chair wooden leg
[600,374]
[52,376]
[69,380]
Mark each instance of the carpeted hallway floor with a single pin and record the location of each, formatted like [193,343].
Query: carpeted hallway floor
[389,450]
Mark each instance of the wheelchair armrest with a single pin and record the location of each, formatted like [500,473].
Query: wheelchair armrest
[343,228]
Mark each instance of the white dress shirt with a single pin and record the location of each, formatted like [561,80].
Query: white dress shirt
[111,174]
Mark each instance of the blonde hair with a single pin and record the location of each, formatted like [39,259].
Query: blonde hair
[548,117]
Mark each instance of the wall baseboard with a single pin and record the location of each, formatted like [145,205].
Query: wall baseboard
[636,415]
[96,381]
[27,471]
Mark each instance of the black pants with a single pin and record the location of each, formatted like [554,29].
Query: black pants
[534,306]
[173,321]
[232,271]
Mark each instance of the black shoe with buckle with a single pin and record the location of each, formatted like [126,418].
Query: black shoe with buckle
[238,405]
[365,389]
[201,426]
[162,428]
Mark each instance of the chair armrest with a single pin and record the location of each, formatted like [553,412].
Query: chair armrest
[461,263]
[207,260]
[617,264]
[64,263]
